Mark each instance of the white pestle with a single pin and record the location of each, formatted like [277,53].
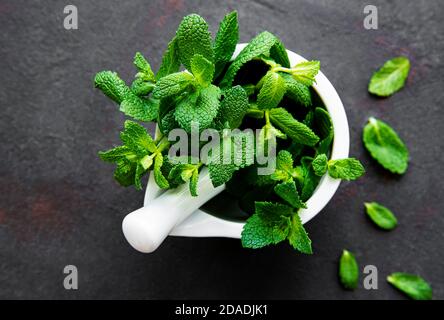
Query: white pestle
[146,228]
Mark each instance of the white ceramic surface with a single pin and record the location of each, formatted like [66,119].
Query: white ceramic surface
[202,224]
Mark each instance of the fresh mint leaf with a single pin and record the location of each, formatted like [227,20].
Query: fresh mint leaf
[115,154]
[412,285]
[140,171]
[296,130]
[381,215]
[141,87]
[311,179]
[390,77]
[233,107]
[125,172]
[173,84]
[258,46]
[296,91]
[170,60]
[160,179]
[385,146]
[305,72]
[298,237]
[324,125]
[145,71]
[186,172]
[288,192]
[279,54]
[348,270]
[226,40]
[111,85]
[136,138]
[140,108]
[269,225]
[201,108]
[347,169]
[202,69]
[320,164]
[194,38]
[272,91]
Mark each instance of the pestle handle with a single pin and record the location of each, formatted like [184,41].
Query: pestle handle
[146,228]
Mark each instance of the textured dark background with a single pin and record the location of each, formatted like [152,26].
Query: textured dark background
[59,204]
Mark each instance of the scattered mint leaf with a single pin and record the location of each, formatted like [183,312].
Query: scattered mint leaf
[305,72]
[202,69]
[298,237]
[170,60]
[385,146]
[320,164]
[272,91]
[412,285]
[296,130]
[381,215]
[347,169]
[288,192]
[194,38]
[226,40]
[390,77]
[348,270]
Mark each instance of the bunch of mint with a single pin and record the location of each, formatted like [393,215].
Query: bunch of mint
[257,90]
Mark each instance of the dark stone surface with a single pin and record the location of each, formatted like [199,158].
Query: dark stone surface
[60,205]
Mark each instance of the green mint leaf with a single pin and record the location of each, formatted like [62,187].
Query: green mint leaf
[141,87]
[311,179]
[111,85]
[140,171]
[390,78]
[272,91]
[381,215]
[125,172]
[160,179]
[226,40]
[193,183]
[298,237]
[348,270]
[173,84]
[139,108]
[324,125]
[288,192]
[412,285]
[233,107]
[305,72]
[201,107]
[168,123]
[145,71]
[115,154]
[385,146]
[193,38]
[170,60]
[279,54]
[202,69]
[347,169]
[136,138]
[269,225]
[296,130]
[296,91]
[259,45]
[320,164]
[239,154]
